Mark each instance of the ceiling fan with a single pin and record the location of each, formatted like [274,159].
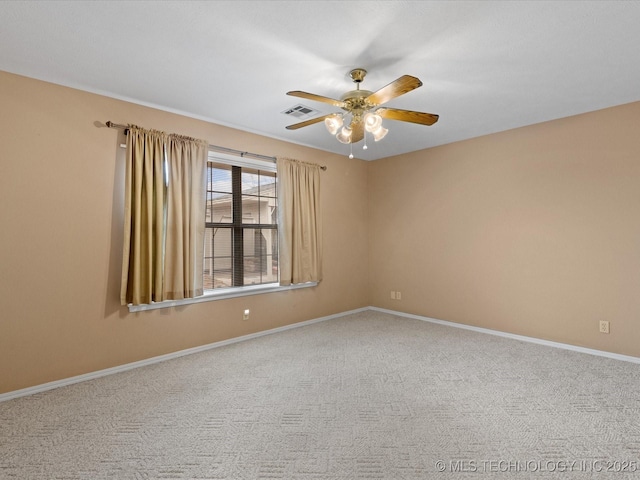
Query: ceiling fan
[364,109]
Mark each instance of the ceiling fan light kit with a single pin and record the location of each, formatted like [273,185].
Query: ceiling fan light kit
[363,107]
[333,123]
[372,121]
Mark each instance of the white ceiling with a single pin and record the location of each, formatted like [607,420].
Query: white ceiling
[485,66]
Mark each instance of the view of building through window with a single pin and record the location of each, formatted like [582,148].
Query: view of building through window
[241,235]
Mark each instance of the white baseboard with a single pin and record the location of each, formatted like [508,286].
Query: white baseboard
[161,358]
[169,356]
[513,336]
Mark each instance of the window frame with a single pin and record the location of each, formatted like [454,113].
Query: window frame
[237,226]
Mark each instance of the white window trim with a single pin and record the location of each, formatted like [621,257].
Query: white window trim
[265,165]
[222,294]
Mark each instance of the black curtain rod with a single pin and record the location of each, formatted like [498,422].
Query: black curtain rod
[110,124]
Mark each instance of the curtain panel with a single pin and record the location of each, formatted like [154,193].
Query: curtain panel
[300,222]
[164,217]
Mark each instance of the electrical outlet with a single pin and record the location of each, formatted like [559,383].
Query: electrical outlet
[604,326]
[393,295]
[245,315]
[398,296]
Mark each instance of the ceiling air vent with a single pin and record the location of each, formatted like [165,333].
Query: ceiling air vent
[301,111]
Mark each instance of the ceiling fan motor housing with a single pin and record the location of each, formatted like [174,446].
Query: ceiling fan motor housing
[355,102]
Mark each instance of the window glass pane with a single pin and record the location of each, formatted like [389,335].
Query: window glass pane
[221,242]
[250,209]
[254,248]
[219,193]
[260,256]
[250,181]
[272,270]
[266,273]
[268,184]
[208,259]
[269,211]
[219,178]
[217,258]
[272,239]
[219,208]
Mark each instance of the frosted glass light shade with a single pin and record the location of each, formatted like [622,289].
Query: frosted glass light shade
[380,133]
[333,124]
[345,135]
[372,122]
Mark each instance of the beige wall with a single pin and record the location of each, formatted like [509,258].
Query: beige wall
[534,231]
[60,242]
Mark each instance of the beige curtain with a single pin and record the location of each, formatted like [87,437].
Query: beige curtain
[164,217]
[300,225]
[184,244]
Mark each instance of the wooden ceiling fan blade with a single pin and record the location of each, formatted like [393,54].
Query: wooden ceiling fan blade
[398,87]
[317,98]
[306,123]
[408,116]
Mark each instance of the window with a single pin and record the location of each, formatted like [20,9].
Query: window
[241,251]
[241,224]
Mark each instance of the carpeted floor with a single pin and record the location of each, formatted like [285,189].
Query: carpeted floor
[365,396]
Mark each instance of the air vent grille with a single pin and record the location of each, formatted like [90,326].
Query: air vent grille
[301,111]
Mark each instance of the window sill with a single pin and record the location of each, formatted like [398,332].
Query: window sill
[222,294]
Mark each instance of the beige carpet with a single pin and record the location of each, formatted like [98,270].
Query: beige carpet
[365,396]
